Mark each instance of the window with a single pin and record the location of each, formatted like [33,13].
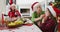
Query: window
[7,1]
[25,11]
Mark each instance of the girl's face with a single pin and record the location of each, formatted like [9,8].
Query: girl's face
[39,9]
[13,7]
[47,13]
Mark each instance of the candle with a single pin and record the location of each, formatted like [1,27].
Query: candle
[2,18]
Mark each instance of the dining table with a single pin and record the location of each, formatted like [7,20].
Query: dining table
[23,28]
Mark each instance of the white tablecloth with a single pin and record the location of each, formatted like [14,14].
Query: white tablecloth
[32,28]
[25,28]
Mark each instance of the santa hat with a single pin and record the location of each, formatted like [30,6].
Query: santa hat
[34,6]
[53,12]
[10,2]
[12,5]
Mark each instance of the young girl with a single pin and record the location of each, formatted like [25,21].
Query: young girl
[38,13]
[13,11]
[49,21]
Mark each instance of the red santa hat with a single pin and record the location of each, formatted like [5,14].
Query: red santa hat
[12,5]
[10,2]
[53,12]
[34,6]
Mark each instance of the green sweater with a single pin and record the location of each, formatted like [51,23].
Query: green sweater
[35,15]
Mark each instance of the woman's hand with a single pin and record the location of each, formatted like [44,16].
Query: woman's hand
[38,23]
[39,18]
[44,19]
[42,16]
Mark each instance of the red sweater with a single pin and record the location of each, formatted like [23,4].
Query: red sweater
[12,14]
[48,26]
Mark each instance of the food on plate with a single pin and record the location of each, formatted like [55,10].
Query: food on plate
[11,24]
[19,22]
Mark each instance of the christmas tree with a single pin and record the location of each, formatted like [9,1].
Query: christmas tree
[57,4]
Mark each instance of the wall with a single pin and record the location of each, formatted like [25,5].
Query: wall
[28,3]
[2,7]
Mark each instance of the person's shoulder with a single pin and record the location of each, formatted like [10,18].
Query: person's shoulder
[9,12]
[34,12]
[43,11]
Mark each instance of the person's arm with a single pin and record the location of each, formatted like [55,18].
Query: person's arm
[44,19]
[33,17]
[39,18]
[10,14]
[18,14]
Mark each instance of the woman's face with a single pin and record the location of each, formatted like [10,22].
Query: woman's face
[39,9]
[13,7]
[47,13]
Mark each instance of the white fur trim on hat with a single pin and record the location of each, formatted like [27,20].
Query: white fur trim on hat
[35,6]
[52,10]
[13,5]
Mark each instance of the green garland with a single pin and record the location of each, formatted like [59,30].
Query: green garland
[57,4]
